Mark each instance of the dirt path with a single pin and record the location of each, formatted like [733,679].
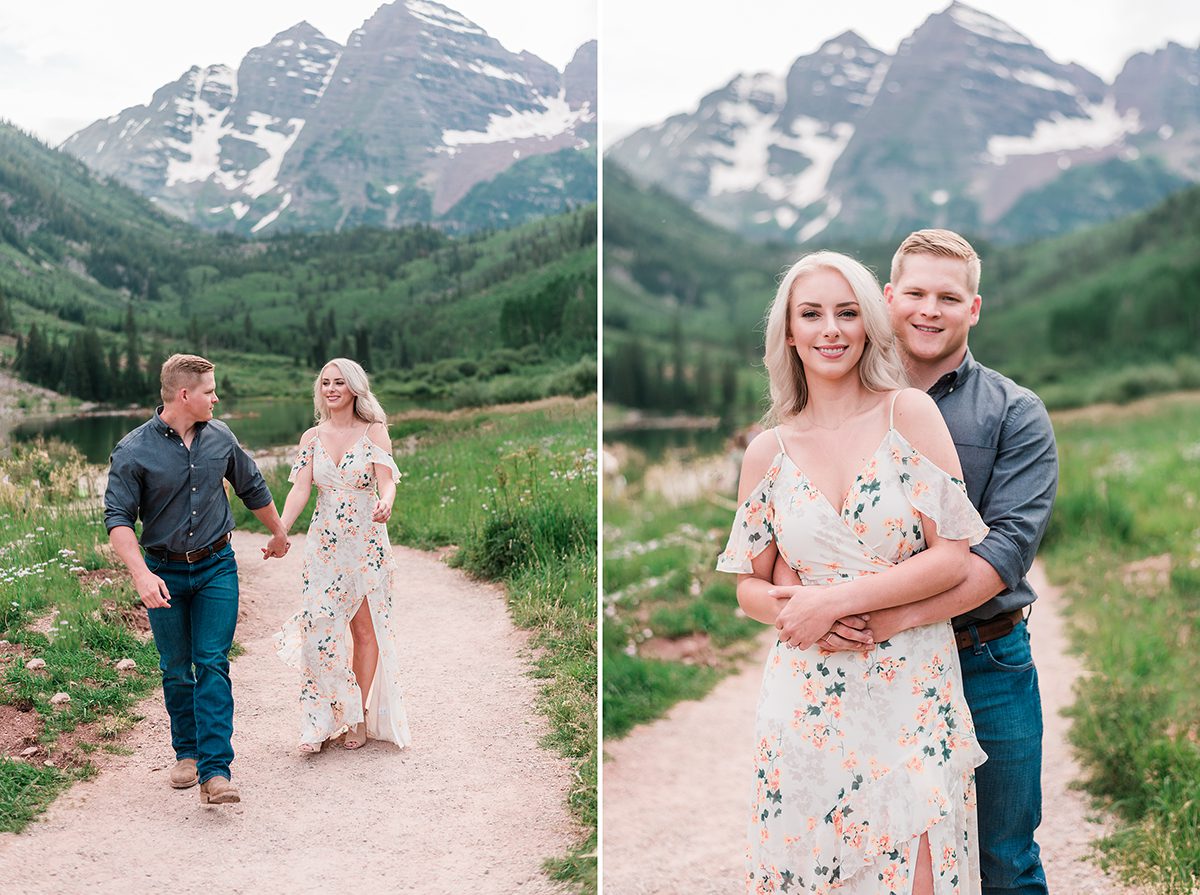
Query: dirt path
[474,805]
[675,791]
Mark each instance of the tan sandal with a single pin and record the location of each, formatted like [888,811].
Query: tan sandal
[356,736]
[310,748]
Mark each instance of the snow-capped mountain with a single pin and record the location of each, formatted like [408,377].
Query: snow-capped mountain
[969,125]
[397,127]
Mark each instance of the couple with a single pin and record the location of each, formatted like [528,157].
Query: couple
[170,473]
[858,539]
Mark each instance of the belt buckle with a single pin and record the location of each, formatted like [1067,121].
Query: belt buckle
[199,555]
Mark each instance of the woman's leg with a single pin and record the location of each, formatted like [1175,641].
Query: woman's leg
[366,649]
[923,868]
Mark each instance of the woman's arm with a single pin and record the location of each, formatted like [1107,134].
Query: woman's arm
[297,498]
[812,611]
[377,432]
[752,589]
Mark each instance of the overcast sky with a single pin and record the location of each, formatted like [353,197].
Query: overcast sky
[66,63]
[658,60]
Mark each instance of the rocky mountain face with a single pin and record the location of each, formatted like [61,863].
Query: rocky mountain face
[410,122]
[968,126]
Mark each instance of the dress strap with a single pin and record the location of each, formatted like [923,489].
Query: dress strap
[779,438]
[892,412]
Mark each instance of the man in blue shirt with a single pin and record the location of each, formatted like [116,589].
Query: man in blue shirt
[170,473]
[1010,464]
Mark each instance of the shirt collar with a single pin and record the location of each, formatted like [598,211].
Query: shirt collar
[161,426]
[955,378]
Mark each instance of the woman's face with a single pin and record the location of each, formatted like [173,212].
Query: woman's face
[334,389]
[825,324]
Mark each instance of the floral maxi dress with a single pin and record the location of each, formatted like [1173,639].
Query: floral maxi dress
[858,754]
[347,559]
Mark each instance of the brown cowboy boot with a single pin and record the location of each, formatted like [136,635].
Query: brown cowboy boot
[184,773]
[218,791]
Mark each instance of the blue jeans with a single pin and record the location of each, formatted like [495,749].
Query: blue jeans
[196,631]
[1001,687]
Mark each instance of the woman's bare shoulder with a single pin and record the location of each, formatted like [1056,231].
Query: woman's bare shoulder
[378,433]
[309,434]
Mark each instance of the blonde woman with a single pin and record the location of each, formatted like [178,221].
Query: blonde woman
[349,573]
[863,765]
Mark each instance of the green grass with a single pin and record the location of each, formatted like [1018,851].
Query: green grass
[47,538]
[660,583]
[1130,484]
[515,491]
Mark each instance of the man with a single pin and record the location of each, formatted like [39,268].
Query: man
[1006,446]
[170,472]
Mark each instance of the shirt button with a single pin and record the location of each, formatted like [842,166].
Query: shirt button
[193,466]
[190,533]
[193,512]
[193,489]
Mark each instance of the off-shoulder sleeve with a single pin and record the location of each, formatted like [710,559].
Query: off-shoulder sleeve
[303,459]
[937,494]
[376,454]
[753,528]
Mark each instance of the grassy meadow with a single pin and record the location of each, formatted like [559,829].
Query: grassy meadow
[514,489]
[672,626]
[61,606]
[1125,544]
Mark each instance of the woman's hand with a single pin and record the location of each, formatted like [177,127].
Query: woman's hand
[807,617]
[382,511]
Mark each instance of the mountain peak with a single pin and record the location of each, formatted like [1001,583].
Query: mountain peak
[849,38]
[301,31]
[981,23]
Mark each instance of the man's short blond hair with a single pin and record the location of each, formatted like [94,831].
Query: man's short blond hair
[943,244]
[180,371]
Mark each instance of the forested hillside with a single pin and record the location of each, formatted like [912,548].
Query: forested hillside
[95,285]
[1104,314]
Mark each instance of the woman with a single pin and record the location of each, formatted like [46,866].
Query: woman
[349,572]
[864,760]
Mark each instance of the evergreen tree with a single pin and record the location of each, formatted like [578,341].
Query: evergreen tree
[362,347]
[133,384]
[703,398]
[7,324]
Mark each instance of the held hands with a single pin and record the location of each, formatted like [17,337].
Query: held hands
[277,546]
[382,511]
[152,590]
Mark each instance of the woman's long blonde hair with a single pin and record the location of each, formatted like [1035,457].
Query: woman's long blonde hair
[366,405]
[879,368]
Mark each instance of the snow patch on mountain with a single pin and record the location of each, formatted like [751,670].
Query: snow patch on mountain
[275,142]
[200,157]
[269,219]
[745,161]
[985,26]
[552,119]
[486,68]
[441,17]
[1102,126]
[833,206]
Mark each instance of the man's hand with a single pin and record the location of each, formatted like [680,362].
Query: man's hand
[277,546]
[806,618]
[382,511]
[849,633]
[152,590]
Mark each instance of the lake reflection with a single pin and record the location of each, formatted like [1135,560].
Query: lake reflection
[257,424]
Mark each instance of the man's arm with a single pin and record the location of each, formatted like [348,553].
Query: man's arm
[122,504]
[251,488]
[1016,506]
[151,588]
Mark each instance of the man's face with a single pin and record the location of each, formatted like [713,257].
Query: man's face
[932,308]
[199,399]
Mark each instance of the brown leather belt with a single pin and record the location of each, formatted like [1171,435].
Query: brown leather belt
[992,629]
[192,555]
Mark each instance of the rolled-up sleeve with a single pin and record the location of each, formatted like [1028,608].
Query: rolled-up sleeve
[123,495]
[1019,496]
[248,483]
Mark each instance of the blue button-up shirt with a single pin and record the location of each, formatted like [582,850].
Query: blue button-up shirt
[178,492]
[1010,464]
